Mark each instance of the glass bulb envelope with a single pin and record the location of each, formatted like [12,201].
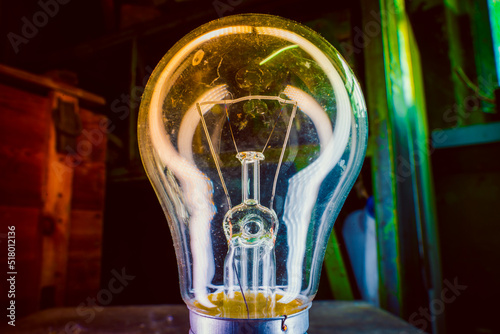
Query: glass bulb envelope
[252,130]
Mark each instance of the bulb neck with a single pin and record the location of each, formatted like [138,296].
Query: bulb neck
[250,176]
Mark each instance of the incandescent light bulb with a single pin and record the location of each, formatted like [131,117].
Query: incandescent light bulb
[252,130]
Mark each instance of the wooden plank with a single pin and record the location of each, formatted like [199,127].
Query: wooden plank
[82,281]
[423,190]
[326,317]
[50,84]
[89,186]
[405,213]
[22,169]
[57,193]
[38,179]
[84,249]
[90,170]
[90,167]
[494,16]
[484,51]
[94,135]
[23,129]
[458,57]
[28,255]
[86,232]
[354,318]
[24,118]
[84,256]
[383,166]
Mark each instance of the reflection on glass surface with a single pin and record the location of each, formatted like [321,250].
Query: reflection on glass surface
[252,131]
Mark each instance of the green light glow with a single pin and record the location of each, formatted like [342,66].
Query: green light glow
[494,9]
[404,136]
[277,53]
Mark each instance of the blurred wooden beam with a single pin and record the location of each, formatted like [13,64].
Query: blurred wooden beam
[55,219]
[408,243]
[50,84]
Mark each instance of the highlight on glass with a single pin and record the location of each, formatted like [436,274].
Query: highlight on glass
[252,131]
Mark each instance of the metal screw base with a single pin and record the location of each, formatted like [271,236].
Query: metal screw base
[294,324]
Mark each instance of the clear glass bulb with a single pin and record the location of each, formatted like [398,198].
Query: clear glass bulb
[252,130]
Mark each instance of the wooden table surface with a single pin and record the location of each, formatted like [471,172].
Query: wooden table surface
[338,317]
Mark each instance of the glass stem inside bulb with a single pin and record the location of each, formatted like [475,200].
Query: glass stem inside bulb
[250,176]
[250,266]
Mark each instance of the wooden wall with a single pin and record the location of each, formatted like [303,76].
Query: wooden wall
[54,200]
[84,265]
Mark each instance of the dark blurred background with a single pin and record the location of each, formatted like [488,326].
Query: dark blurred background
[433,161]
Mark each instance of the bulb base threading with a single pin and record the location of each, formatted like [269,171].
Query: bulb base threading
[297,323]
